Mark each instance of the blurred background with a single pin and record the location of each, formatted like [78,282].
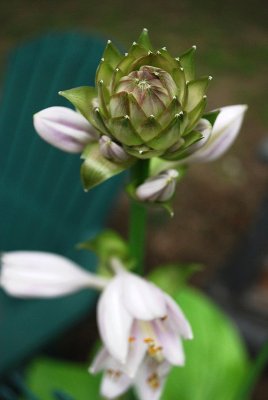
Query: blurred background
[221,207]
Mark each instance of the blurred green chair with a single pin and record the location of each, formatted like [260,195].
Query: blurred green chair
[42,204]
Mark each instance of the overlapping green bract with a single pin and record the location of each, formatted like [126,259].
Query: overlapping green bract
[145,100]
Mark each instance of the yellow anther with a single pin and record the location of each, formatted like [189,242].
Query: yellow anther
[131,339]
[148,340]
[153,381]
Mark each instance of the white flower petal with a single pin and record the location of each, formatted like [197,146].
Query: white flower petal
[142,299]
[114,382]
[39,274]
[137,350]
[176,320]
[100,362]
[150,379]
[224,132]
[114,321]
[64,128]
[170,342]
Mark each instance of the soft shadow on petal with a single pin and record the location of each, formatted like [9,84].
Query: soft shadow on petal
[137,350]
[142,299]
[170,342]
[176,320]
[114,382]
[114,320]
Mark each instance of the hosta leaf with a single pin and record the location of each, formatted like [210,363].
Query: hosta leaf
[97,169]
[46,377]
[216,359]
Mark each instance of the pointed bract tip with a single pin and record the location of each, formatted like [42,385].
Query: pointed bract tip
[97,110]
[210,78]
[109,41]
[177,58]
[126,54]
[116,69]
[134,44]
[158,52]
[194,47]
[181,68]
[149,52]
[164,48]
[152,116]
[145,30]
[126,116]
[205,96]
[101,82]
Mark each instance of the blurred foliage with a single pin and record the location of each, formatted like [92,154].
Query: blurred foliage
[216,359]
[49,377]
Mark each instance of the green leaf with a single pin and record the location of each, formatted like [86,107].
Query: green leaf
[45,377]
[175,277]
[216,359]
[144,40]
[254,374]
[81,97]
[107,245]
[97,169]
[188,63]
[211,116]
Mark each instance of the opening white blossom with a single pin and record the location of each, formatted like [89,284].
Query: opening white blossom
[64,128]
[40,274]
[148,382]
[137,319]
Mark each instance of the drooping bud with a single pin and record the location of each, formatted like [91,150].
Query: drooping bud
[112,150]
[64,128]
[159,188]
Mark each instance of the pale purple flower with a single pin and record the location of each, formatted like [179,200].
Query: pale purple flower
[64,128]
[158,188]
[223,134]
[148,382]
[39,274]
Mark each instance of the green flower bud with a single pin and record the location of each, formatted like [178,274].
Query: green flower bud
[146,101]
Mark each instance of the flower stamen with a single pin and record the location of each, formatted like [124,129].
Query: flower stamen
[153,381]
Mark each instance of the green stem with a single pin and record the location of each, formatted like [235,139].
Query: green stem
[138,217]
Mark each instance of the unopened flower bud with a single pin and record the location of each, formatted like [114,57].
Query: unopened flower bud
[64,128]
[158,188]
[112,150]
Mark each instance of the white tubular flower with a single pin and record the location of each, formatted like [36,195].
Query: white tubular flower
[224,132]
[158,188]
[148,382]
[136,318]
[38,274]
[64,128]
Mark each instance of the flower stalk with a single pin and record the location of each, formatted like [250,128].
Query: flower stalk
[138,218]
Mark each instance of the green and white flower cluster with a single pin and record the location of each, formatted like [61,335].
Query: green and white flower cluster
[146,105]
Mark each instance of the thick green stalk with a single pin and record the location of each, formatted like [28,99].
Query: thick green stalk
[137,218]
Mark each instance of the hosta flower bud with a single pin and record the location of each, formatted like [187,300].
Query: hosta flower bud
[112,150]
[158,188]
[64,128]
[145,100]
